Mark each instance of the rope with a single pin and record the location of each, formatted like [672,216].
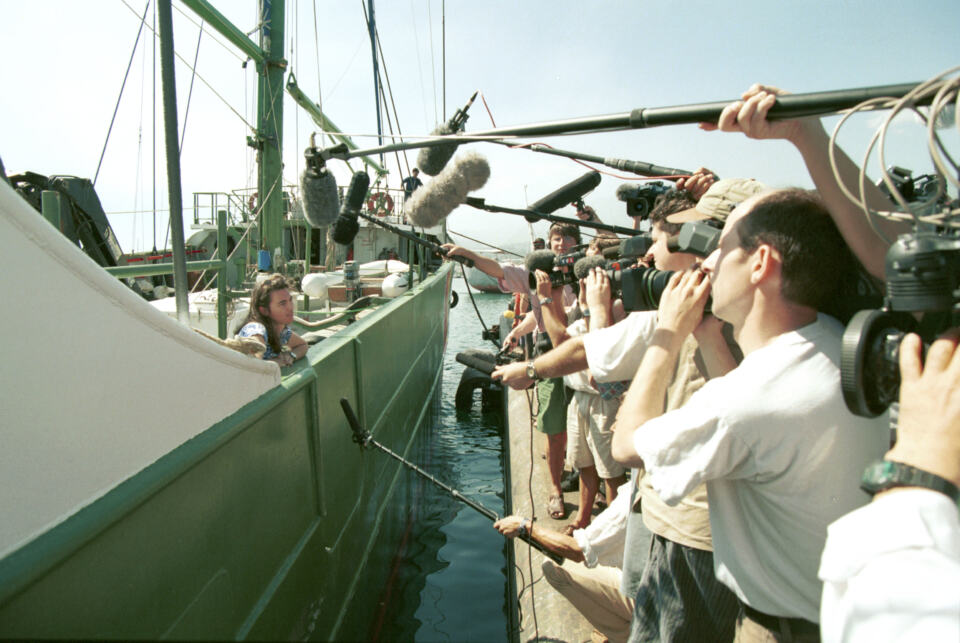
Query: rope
[143,21]
[196,56]
[489,245]
[486,330]
[203,80]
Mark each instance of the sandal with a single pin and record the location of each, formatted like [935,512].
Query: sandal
[555,508]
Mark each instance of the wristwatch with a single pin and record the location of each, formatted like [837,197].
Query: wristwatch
[532,371]
[884,474]
[546,301]
[524,529]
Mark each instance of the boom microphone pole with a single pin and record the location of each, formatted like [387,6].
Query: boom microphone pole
[787,106]
[533,216]
[635,167]
[412,237]
[364,439]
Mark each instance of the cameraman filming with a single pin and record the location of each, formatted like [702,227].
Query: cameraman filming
[681,557]
[551,397]
[891,569]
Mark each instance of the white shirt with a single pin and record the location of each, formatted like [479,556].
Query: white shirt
[891,571]
[579,381]
[782,458]
[602,540]
[614,353]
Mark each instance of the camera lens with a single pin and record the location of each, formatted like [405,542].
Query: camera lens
[641,288]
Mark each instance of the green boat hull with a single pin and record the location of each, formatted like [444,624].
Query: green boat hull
[271,524]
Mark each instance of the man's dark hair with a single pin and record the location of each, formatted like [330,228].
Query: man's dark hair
[670,203]
[415,170]
[566,230]
[815,257]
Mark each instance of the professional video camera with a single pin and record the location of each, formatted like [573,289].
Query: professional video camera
[640,198]
[558,267]
[922,274]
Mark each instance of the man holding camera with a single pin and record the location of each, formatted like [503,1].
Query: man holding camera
[551,397]
[677,595]
[773,440]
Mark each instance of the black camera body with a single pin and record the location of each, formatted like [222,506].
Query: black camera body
[922,274]
[640,198]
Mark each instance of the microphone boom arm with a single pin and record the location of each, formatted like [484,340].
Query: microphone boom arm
[412,237]
[787,106]
[364,439]
[533,216]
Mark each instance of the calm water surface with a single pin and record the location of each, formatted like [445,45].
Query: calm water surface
[450,583]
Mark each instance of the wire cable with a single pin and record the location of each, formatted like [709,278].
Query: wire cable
[143,21]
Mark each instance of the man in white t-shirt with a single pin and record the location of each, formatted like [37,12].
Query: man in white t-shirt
[773,439]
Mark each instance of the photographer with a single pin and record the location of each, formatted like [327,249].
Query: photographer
[551,397]
[773,440]
[891,569]
[680,563]
[590,414]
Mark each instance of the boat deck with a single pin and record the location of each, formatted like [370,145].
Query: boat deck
[543,611]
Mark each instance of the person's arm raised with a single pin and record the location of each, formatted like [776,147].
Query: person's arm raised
[749,116]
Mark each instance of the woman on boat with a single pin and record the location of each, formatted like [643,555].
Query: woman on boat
[271,313]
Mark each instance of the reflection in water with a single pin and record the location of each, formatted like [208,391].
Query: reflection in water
[449,583]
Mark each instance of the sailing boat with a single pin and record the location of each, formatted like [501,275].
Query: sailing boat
[159,485]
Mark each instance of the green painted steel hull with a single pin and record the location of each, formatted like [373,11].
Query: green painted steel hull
[272,524]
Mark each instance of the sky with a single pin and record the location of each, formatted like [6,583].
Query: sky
[532,61]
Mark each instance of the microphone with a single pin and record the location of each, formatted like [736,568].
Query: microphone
[431,160]
[347,226]
[583,266]
[611,254]
[565,195]
[476,362]
[539,260]
[432,203]
[318,191]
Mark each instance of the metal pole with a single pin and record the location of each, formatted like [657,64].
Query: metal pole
[168,82]
[363,438]
[222,274]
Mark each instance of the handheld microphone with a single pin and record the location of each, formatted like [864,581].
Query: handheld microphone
[318,191]
[539,260]
[347,226]
[431,160]
[432,203]
[476,362]
[565,195]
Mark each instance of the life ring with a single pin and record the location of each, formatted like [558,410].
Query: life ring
[380,203]
[252,202]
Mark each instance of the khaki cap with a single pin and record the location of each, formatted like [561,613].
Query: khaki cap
[719,200]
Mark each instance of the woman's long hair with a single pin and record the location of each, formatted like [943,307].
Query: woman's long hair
[260,298]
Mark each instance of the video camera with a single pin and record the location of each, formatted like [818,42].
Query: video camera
[922,273]
[640,198]
[558,267]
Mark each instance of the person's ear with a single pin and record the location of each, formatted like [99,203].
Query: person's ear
[264,311]
[765,262]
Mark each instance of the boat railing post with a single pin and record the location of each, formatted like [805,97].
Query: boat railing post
[222,274]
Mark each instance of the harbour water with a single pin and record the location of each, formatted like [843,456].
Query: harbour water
[449,582]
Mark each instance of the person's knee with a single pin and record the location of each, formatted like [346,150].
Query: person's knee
[555,574]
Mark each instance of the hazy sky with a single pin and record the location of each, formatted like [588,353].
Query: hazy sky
[532,61]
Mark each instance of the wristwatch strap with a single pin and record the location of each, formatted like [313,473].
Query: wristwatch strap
[886,474]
